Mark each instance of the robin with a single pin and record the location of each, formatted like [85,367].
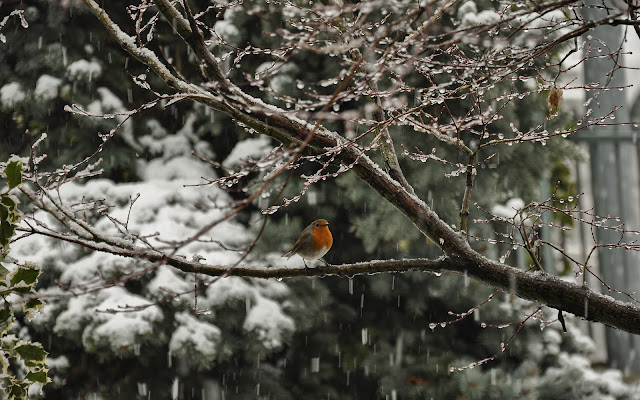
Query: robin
[313,243]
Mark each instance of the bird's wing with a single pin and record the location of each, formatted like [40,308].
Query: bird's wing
[297,245]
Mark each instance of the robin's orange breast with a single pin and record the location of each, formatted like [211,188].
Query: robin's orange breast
[322,238]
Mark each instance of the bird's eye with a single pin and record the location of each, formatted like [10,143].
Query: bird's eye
[317,224]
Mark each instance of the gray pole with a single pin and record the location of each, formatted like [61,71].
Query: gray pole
[614,166]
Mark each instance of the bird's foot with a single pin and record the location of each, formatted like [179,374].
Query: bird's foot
[306,269]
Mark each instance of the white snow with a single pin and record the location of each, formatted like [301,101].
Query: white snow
[271,288]
[508,210]
[269,322]
[83,69]
[281,83]
[254,148]
[60,362]
[227,31]
[193,335]
[176,161]
[163,206]
[110,104]
[176,168]
[468,7]
[47,87]
[609,381]
[535,20]
[114,331]
[11,94]
[87,268]
[552,341]
[121,330]
[169,146]
[228,288]
[166,281]
[34,391]
[156,129]
[483,17]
